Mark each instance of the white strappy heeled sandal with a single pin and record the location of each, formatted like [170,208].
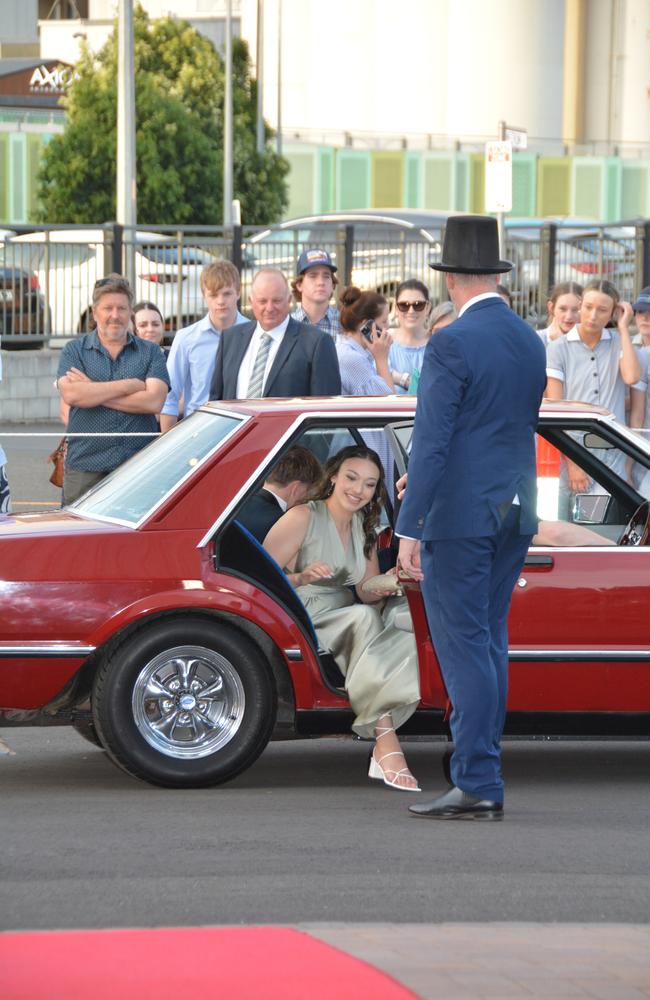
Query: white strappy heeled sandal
[377,773]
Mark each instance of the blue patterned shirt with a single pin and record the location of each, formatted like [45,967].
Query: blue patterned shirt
[330,322]
[191,364]
[138,359]
[358,372]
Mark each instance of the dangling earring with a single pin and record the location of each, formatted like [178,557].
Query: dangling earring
[330,489]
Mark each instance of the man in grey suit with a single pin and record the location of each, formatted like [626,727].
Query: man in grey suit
[274,355]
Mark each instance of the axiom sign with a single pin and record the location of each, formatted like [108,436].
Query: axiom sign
[46,81]
[50,80]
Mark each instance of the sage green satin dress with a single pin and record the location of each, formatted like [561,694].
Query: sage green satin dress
[378,661]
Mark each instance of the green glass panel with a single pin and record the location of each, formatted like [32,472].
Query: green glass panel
[353,179]
[387,179]
[35,145]
[587,188]
[613,175]
[524,178]
[635,190]
[301,183]
[17,177]
[477,182]
[326,187]
[554,185]
[462,192]
[4,177]
[439,181]
[412,180]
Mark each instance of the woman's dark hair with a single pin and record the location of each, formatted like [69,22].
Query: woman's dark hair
[565,288]
[357,306]
[607,288]
[139,306]
[412,285]
[372,511]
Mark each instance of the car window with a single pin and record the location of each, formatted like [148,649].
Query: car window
[135,489]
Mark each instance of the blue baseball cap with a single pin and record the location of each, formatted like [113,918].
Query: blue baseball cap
[314,258]
[642,304]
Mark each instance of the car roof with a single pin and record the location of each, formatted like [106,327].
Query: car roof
[358,405]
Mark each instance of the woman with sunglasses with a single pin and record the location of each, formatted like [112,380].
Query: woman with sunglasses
[412,308]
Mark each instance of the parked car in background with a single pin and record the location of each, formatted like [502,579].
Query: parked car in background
[147,617]
[68,262]
[583,252]
[388,246]
[22,305]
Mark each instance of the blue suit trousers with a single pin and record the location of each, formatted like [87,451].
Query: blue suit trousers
[467,589]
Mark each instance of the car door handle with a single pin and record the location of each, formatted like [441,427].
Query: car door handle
[540,562]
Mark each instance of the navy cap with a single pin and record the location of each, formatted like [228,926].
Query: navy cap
[314,258]
[642,304]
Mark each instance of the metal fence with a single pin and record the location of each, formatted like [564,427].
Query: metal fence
[47,275]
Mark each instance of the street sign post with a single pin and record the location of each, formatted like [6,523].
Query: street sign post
[498,174]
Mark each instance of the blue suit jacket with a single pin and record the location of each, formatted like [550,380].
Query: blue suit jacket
[306,363]
[473,447]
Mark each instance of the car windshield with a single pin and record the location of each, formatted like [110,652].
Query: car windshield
[135,489]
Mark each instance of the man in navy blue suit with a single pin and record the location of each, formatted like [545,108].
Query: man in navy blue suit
[469,511]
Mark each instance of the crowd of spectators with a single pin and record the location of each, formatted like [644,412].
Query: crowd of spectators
[119,384]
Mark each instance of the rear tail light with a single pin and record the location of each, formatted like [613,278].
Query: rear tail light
[606,268]
[161,278]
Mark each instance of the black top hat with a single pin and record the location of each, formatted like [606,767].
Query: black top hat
[471,246]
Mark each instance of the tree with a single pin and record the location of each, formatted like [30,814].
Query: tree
[179,135]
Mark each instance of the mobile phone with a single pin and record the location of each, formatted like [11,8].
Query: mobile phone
[366,331]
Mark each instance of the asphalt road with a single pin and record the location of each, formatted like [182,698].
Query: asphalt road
[303,836]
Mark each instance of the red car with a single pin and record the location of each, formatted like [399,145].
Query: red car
[144,616]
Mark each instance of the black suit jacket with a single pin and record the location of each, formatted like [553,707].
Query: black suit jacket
[259,513]
[306,363]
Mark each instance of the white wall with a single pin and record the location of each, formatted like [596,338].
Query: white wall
[415,65]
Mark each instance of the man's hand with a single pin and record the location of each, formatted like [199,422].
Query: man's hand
[579,481]
[400,485]
[409,558]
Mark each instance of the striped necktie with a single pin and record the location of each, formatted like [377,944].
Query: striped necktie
[256,380]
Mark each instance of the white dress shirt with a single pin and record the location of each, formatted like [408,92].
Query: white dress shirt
[248,361]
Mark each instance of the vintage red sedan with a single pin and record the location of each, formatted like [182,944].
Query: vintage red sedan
[146,617]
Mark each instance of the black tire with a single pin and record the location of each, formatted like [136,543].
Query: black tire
[86,728]
[173,680]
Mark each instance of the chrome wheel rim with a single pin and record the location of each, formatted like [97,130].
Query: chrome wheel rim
[188,702]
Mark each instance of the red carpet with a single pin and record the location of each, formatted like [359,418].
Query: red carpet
[229,963]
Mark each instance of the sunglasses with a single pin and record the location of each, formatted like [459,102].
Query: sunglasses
[418,306]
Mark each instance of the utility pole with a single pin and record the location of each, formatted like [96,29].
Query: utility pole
[278,137]
[259,63]
[227,124]
[501,226]
[126,164]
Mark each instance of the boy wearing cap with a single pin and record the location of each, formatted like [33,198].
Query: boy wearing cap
[642,318]
[313,288]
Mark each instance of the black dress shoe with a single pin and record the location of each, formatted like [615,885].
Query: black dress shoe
[456,804]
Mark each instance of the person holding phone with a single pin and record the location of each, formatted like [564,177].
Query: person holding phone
[364,344]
